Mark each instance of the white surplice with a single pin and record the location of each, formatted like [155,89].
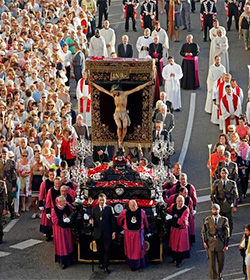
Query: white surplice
[213,75]
[109,37]
[172,84]
[97,47]
[143,41]
[221,49]
[212,36]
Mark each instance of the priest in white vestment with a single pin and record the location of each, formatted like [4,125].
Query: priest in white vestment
[230,109]
[83,96]
[221,49]
[109,36]
[97,45]
[172,73]
[143,42]
[212,36]
[163,39]
[215,71]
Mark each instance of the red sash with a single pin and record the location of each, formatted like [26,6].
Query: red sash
[220,89]
[82,82]
[237,91]
[235,103]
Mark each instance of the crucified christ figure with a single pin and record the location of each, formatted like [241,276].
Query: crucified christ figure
[121,116]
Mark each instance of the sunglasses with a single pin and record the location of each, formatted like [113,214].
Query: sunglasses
[24,155]
[31,142]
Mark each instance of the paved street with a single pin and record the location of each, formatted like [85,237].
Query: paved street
[34,259]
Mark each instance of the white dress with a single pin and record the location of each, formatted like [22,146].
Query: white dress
[221,49]
[172,84]
[213,75]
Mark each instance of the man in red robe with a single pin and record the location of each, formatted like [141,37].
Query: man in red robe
[135,224]
[230,108]
[179,235]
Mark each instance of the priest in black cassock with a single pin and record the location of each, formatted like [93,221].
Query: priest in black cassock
[156,52]
[190,52]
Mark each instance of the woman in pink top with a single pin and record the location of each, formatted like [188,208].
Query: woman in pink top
[242,128]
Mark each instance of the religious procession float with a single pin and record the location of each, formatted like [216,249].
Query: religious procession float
[120,180]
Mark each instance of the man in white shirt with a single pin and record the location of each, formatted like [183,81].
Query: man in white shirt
[109,36]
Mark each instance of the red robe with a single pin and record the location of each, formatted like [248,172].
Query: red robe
[134,246]
[62,235]
[45,224]
[179,237]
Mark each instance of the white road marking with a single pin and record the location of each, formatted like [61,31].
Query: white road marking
[204,189]
[178,273]
[203,198]
[10,225]
[26,244]
[4,254]
[189,128]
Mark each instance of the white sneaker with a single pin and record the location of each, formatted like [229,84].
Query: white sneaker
[33,216]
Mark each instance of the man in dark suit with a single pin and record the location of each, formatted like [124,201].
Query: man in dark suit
[167,118]
[78,63]
[125,49]
[103,221]
[8,174]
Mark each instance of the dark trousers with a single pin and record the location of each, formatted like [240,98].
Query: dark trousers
[244,183]
[193,6]
[148,22]
[103,250]
[215,257]
[67,75]
[1,220]
[129,15]
[103,10]
[71,162]
[233,11]
[10,201]
[230,220]
[208,24]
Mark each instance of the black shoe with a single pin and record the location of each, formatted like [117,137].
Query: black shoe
[100,266]
[106,270]
[126,30]
[1,241]
[204,40]
[184,28]
[12,216]
[48,238]
[178,265]
[135,30]
[133,269]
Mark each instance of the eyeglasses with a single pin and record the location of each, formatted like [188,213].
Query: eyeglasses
[24,155]
[31,142]
[37,152]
